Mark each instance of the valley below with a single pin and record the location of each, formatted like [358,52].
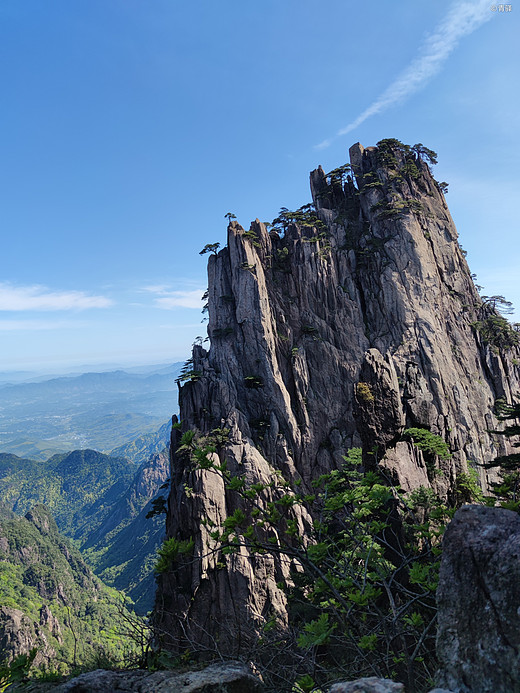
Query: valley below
[52,436]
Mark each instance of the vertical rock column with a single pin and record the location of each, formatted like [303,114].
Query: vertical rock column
[344,330]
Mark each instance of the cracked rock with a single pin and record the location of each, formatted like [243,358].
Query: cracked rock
[478,640]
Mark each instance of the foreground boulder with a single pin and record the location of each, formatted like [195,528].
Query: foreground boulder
[225,677]
[374,685]
[368,685]
[478,640]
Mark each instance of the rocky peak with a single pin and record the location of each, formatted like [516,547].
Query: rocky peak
[352,323]
[152,474]
[41,518]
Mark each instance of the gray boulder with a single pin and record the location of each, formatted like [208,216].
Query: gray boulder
[368,685]
[225,677]
[374,685]
[478,639]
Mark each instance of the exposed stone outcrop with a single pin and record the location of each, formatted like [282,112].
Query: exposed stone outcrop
[378,409]
[226,677]
[368,685]
[478,639]
[374,685]
[49,621]
[19,635]
[321,341]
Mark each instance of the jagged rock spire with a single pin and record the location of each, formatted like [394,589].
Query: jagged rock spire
[342,331]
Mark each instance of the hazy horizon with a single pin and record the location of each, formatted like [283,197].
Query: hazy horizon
[93,367]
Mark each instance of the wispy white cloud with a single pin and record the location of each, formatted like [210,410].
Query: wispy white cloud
[177,327]
[21,298]
[36,325]
[157,289]
[167,298]
[181,299]
[462,19]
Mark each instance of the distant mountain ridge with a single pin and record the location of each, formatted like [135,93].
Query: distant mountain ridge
[78,487]
[143,446]
[100,411]
[99,500]
[92,382]
[14,377]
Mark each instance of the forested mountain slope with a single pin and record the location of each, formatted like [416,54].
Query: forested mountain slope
[101,502]
[50,599]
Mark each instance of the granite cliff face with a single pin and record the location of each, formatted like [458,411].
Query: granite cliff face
[339,334]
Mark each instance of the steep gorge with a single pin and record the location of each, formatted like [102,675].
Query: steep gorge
[344,331]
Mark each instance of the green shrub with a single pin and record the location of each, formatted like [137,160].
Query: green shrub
[253,382]
[251,268]
[252,237]
[467,488]
[169,551]
[507,489]
[304,216]
[428,442]
[497,331]
[311,331]
[362,595]
[188,373]
[220,332]
[364,392]
[17,670]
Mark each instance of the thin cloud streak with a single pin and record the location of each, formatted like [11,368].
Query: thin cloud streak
[37,325]
[461,20]
[167,298]
[40,298]
[157,289]
[181,299]
[179,327]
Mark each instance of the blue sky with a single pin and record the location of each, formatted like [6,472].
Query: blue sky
[130,127]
